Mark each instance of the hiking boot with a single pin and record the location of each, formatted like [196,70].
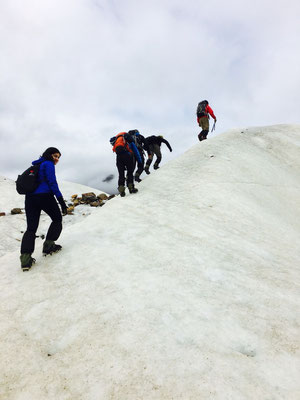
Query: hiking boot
[121,190]
[137,178]
[50,247]
[26,261]
[155,166]
[131,188]
[147,170]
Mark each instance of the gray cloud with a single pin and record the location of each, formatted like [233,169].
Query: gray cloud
[74,73]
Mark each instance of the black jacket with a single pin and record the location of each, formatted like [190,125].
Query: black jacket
[157,140]
[140,142]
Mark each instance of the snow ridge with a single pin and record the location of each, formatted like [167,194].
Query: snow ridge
[186,290]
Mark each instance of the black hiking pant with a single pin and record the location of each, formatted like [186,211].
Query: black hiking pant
[125,162]
[34,204]
[140,166]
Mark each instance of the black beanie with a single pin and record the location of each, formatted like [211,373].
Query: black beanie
[48,153]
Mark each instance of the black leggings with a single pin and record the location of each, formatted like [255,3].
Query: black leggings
[34,204]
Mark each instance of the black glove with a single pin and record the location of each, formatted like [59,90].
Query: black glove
[63,206]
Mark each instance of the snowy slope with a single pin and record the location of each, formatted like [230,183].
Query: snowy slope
[186,290]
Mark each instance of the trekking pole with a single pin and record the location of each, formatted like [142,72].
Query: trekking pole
[214,126]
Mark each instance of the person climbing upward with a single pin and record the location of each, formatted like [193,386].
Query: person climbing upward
[141,145]
[203,112]
[153,144]
[126,150]
[42,199]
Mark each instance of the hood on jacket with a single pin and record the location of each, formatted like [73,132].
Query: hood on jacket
[39,161]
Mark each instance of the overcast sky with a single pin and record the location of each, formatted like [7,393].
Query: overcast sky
[73,73]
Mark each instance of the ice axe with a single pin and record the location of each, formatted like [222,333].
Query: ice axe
[214,126]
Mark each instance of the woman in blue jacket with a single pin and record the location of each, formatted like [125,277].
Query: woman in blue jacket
[42,199]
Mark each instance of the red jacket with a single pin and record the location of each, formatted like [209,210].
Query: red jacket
[209,111]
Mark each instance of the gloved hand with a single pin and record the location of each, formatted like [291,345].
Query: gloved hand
[63,206]
[215,119]
[64,211]
[170,150]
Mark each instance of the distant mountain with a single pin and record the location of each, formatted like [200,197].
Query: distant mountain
[108,178]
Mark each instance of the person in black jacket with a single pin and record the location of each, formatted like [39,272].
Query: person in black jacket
[42,199]
[153,144]
[141,145]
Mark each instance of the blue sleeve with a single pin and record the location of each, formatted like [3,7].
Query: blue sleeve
[136,152]
[51,178]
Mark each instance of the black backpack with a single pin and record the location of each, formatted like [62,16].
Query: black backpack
[112,140]
[28,181]
[201,108]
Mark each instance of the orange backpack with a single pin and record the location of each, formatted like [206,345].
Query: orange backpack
[120,141]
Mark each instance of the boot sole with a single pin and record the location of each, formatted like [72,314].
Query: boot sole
[25,269]
[51,252]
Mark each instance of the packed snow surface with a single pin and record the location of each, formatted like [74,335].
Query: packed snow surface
[186,290]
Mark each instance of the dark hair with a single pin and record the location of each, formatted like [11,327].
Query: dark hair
[48,153]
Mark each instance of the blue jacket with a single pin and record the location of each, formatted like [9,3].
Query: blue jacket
[47,178]
[130,140]
[136,152]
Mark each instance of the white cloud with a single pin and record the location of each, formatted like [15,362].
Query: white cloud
[73,73]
